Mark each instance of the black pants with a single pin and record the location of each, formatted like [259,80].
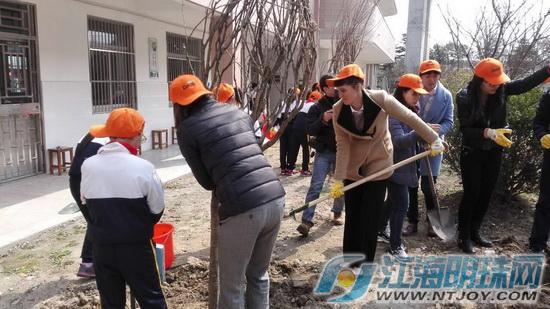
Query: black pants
[541,223]
[479,170]
[284,147]
[412,213]
[86,253]
[133,264]
[297,139]
[363,211]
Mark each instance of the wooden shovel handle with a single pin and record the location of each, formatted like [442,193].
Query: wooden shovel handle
[375,175]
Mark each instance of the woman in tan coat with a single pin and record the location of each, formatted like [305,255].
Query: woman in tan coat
[363,147]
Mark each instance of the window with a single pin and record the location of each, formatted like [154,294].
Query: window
[112,64]
[17,18]
[18,67]
[184,53]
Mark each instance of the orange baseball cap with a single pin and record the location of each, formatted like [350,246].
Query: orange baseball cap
[492,71]
[224,92]
[345,72]
[315,95]
[122,122]
[429,65]
[413,82]
[185,89]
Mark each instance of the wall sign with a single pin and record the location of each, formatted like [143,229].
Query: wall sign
[153,58]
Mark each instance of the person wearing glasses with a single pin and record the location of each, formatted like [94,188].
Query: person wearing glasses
[123,197]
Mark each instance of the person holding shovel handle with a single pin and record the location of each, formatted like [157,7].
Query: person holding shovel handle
[481,110]
[364,146]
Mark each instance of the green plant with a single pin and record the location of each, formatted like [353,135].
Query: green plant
[22,264]
[58,257]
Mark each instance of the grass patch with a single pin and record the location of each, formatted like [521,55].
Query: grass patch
[25,267]
[58,257]
[61,235]
[72,243]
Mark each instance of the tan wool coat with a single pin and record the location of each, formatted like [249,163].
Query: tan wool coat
[358,156]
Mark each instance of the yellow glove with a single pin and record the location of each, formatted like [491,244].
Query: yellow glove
[498,136]
[336,190]
[545,141]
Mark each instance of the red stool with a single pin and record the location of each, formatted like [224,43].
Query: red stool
[60,153]
[157,138]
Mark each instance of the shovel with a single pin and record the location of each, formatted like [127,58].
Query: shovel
[388,169]
[440,217]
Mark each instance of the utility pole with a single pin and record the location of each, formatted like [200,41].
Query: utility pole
[418,26]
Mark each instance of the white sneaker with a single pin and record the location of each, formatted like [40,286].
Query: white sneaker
[399,252]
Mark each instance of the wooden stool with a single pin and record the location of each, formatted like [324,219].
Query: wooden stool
[156,138]
[174,135]
[62,163]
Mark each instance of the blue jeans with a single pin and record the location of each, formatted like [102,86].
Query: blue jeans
[398,202]
[322,165]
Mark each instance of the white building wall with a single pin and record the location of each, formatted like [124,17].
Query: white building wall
[64,67]
[378,46]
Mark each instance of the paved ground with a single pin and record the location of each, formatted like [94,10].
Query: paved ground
[34,204]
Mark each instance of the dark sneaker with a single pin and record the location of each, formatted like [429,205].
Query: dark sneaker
[305,173]
[86,270]
[337,219]
[286,173]
[410,229]
[481,241]
[304,228]
[384,237]
[466,245]
[545,250]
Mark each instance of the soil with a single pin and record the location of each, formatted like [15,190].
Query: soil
[40,271]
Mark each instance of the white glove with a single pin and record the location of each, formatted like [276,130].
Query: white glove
[436,147]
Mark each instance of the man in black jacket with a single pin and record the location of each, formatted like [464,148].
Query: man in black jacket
[482,117]
[541,223]
[218,142]
[319,125]
[87,147]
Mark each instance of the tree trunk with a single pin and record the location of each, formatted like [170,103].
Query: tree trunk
[213,267]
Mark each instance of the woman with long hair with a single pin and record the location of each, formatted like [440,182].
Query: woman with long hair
[482,117]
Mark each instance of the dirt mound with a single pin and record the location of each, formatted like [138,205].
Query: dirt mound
[83,296]
[291,285]
[187,285]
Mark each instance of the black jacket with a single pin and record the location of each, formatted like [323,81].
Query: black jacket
[541,122]
[218,142]
[473,119]
[323,132]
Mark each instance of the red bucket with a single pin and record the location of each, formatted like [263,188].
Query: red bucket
[162,235]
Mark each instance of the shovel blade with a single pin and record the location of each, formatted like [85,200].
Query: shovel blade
[442,224]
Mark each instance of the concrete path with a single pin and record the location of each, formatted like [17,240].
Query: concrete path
[33,204]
